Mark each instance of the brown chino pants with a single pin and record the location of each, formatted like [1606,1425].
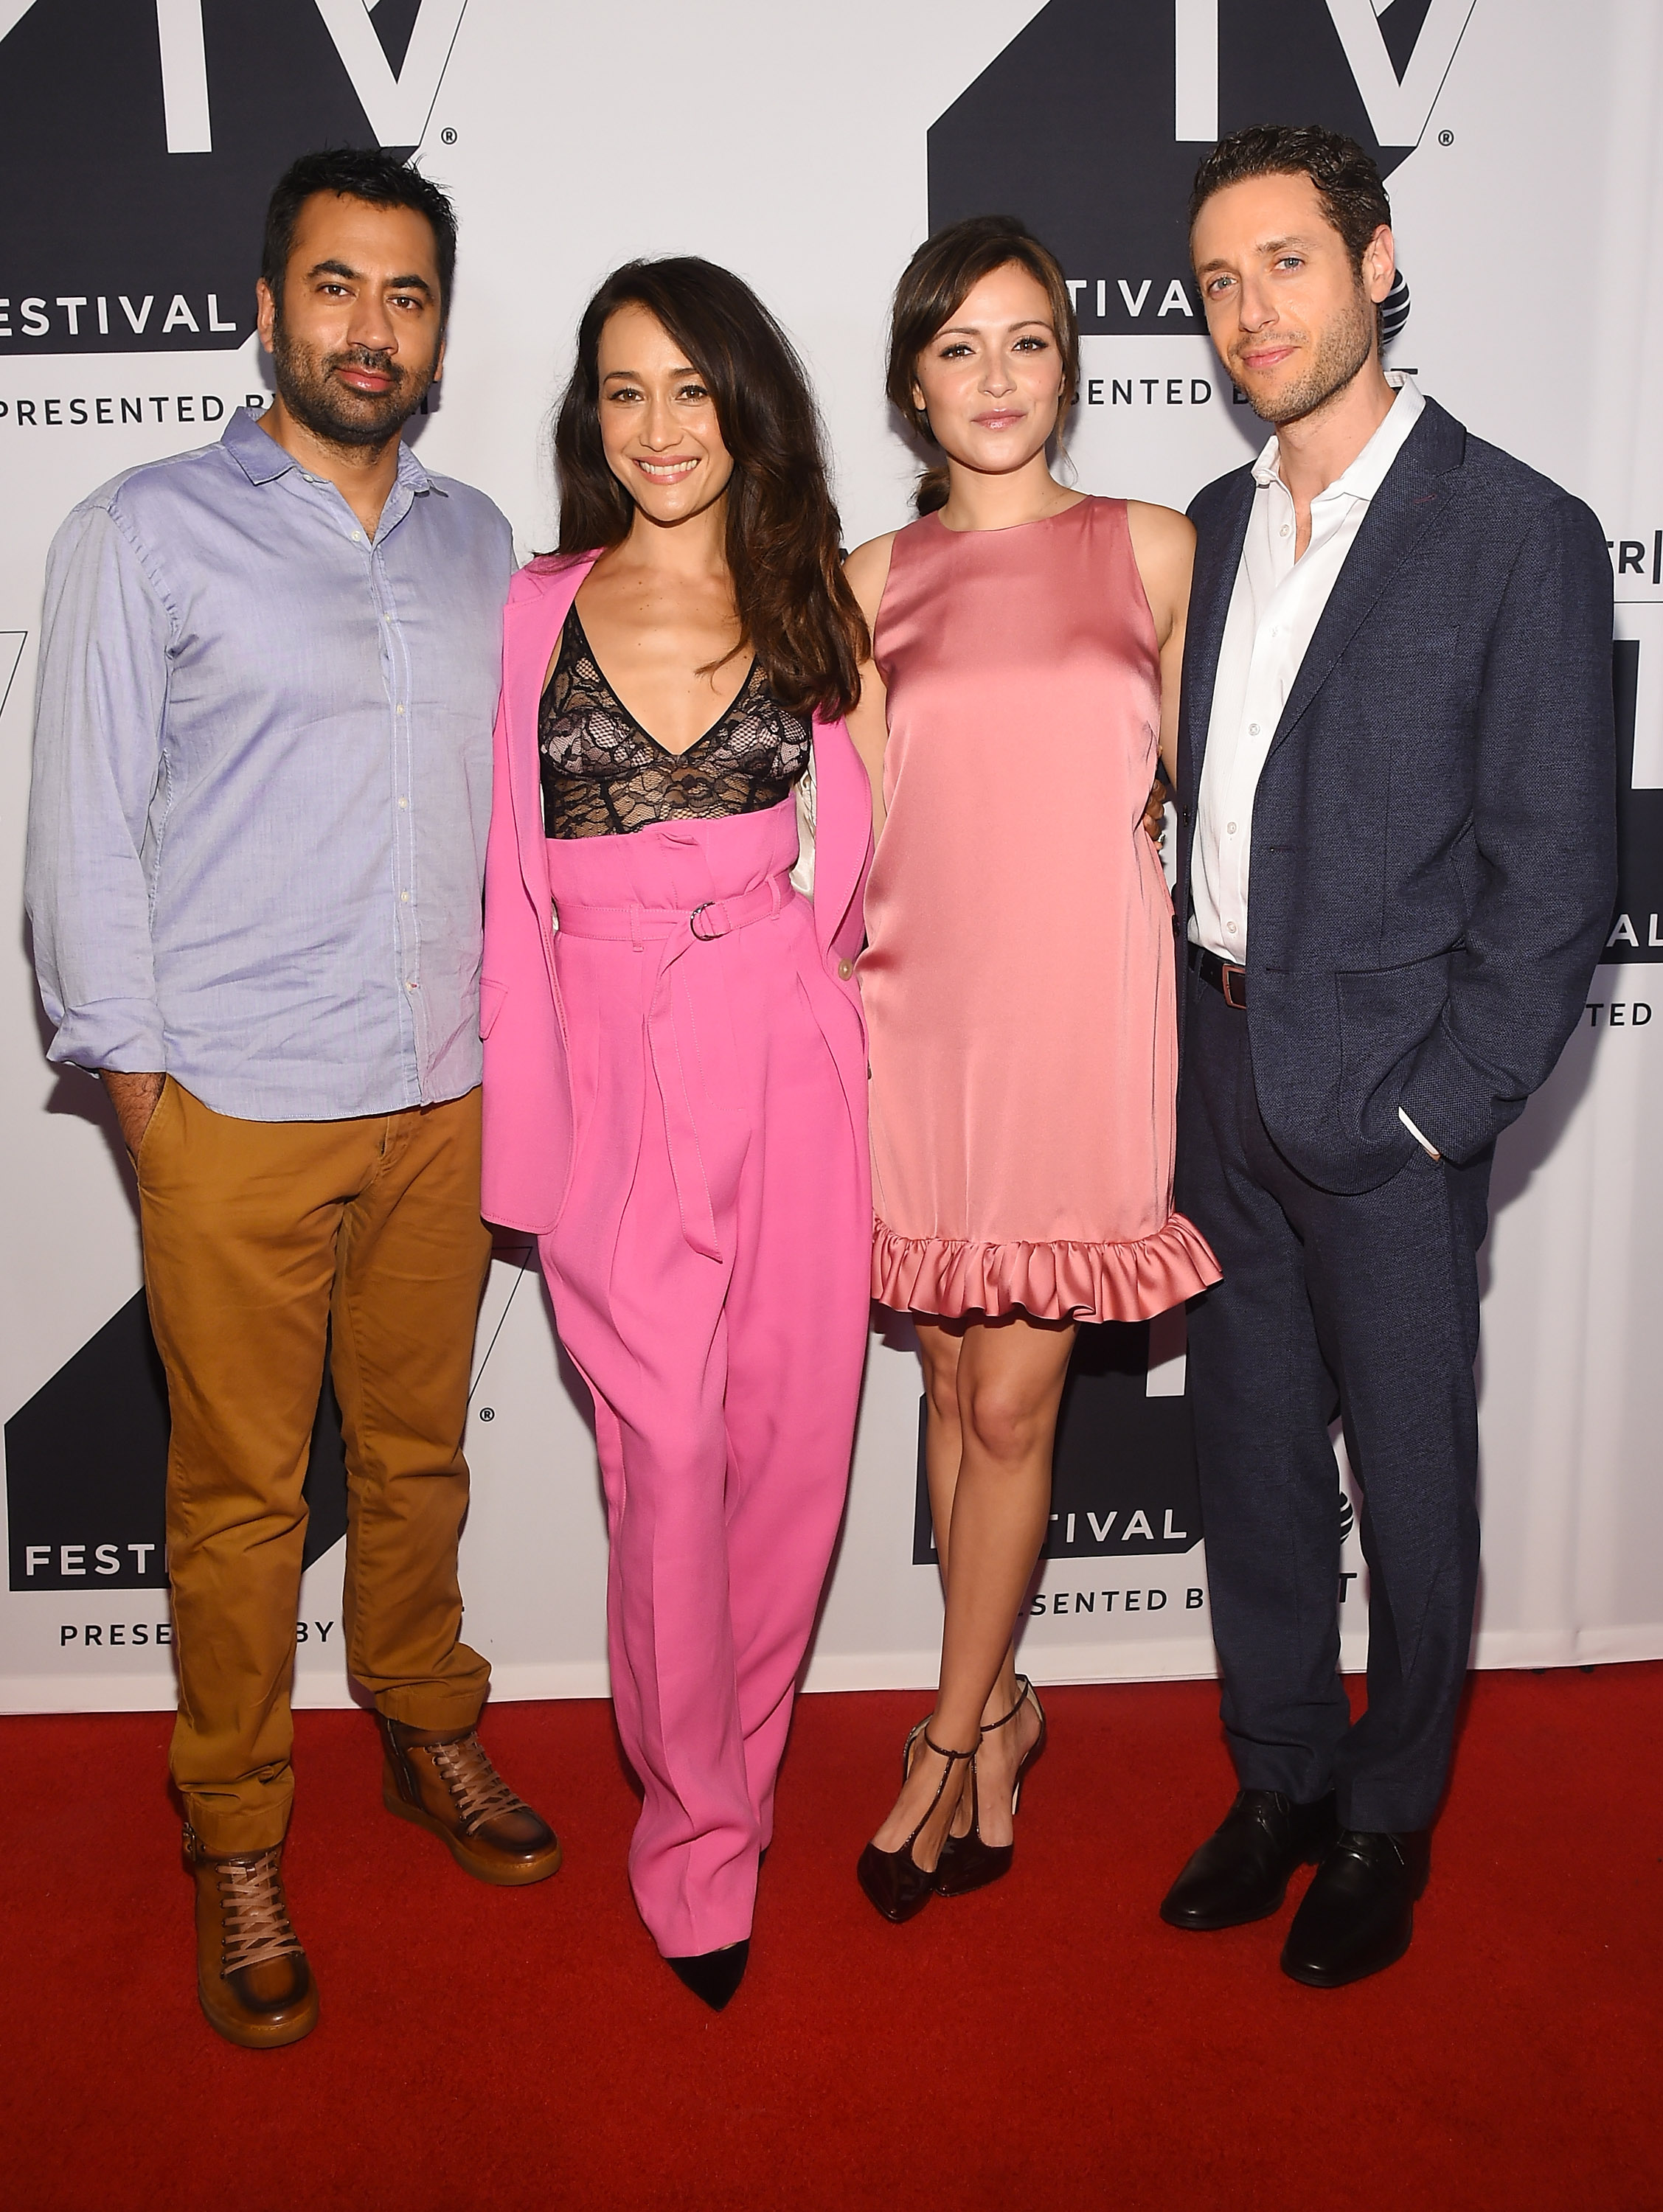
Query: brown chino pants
[257,1236]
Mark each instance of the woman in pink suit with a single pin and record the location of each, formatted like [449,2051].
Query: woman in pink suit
[675,1070]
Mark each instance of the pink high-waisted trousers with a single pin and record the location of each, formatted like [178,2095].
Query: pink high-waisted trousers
[709,1273]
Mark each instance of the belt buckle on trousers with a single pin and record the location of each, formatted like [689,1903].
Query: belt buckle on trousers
[1229,980]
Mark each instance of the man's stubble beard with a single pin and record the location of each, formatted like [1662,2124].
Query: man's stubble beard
[1341,354]
[306,387]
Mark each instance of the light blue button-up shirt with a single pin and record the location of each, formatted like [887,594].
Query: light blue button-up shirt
[262,782]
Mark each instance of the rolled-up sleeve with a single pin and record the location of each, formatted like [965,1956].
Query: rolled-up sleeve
[99,751]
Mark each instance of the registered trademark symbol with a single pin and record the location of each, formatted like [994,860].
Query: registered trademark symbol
[487,1412]
[1445,137]
[447,137]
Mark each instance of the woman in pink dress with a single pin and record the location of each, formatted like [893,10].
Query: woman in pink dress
[1018,978]
[675,1073]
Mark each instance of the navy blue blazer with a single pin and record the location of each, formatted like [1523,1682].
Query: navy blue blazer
[1433,861]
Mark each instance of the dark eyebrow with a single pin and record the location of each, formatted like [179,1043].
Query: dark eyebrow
[410,284]
[975,330]
[635,377]
[1265,245]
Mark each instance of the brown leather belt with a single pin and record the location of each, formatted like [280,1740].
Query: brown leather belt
[1230,982]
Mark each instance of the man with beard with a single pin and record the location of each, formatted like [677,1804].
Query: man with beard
[1397,727]
[268,675]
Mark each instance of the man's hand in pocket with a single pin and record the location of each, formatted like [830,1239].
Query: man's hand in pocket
[135,1098]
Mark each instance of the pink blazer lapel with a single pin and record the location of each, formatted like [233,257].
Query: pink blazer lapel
[531,632]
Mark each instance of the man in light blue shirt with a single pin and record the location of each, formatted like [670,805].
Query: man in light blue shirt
[262,782]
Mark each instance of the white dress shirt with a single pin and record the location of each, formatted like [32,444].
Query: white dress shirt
[1275,606]
[1274,610]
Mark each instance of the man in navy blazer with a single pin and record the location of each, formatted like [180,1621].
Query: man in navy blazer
[1397,740]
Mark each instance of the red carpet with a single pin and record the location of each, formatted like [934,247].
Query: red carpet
[1045,2044]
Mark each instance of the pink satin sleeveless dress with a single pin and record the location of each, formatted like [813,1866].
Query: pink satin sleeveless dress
[1018,978]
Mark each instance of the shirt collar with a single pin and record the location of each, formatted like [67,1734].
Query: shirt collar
[263,460]
[1368,472]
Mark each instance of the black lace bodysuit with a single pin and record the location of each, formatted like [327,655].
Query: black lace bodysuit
[603,774]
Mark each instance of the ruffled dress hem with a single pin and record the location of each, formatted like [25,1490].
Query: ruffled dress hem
[1059,1281]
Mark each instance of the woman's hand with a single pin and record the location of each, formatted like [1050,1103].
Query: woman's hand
[1155,810]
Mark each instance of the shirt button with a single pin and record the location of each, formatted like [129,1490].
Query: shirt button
[1229,929]
[401,708]
[403,898]
[1252,729]
[1286,528]
[403,803]
[358,537]
[1230,826]
[845,969]
[411,986]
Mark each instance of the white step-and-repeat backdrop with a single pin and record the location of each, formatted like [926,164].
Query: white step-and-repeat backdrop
[810,148]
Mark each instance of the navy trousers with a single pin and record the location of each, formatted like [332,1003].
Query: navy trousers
[1365,1305]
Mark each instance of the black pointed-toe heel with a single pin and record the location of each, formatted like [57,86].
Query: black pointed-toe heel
[966,1862]
[713,1975]
[893,1881]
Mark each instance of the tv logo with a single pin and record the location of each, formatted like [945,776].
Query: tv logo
[145,142]
[1089,125]
[1398,54]
[397,97]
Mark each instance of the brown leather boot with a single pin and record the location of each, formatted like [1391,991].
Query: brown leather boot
[446,1783]
[252,1975]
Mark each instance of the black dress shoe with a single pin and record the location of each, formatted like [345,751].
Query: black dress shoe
[713,1975]
[1241,1872]
[1359,1913]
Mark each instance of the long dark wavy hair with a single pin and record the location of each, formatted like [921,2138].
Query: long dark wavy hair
[796,613]
[935,283]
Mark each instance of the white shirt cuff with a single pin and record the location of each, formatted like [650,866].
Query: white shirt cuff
[1425,1142]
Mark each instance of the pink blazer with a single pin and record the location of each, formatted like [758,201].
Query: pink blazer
[528,1095]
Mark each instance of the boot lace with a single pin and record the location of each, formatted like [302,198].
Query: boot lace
[253,1914]
[477,1791]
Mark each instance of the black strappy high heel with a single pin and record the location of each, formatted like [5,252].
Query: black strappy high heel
[909,1749]
[966,1862]
[893,1881]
